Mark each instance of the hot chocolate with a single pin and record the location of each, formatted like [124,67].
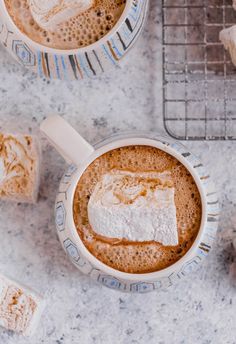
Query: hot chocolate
[67,24]
[125,186]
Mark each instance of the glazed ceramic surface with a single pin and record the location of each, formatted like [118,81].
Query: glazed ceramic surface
[78,63]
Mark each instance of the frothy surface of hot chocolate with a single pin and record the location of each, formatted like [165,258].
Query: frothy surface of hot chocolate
[136,257]
[79,31]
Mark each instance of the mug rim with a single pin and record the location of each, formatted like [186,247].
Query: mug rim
[150,276]
[43,48]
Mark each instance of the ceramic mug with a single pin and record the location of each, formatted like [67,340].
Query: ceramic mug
[78,63]
[80,154]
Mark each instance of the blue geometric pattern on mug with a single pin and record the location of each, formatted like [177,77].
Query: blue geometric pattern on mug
[191,266]
[60,216]
[142,287]
[23,52]
[72,250]
[70,171]
[111,282]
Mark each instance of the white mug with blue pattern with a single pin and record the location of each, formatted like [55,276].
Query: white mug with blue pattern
[77,63]
[80,154]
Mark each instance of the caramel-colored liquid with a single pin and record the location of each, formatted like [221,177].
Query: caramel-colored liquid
[136,257]
[80,31]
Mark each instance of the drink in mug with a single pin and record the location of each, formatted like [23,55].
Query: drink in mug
[136,213]
[71,39]
[71,30]
[144,171]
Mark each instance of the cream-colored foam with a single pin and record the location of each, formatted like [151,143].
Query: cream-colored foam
[132,206]
[139,257]
[20,307]
[19,167]
[79,31]
[49,14]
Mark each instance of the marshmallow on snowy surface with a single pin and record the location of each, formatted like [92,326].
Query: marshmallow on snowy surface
[135,206]
[20,307]
[19,167]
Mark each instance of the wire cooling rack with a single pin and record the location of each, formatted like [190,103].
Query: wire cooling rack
[199,80]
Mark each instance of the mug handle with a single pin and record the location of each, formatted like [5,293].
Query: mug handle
[65,139]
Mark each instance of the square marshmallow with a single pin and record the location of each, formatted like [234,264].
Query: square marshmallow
[49,14]
[135,206]
[20,307]
[19,167]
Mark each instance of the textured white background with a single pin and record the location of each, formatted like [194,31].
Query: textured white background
[202,309]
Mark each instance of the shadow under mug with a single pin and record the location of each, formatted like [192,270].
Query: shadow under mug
[78,63]
[79,152]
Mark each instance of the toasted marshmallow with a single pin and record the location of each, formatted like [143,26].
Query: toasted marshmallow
[19,167]
[228,38]
[20,307]
[137,207]
[50,13]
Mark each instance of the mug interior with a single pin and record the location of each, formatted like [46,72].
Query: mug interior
[4,12]
[109,270]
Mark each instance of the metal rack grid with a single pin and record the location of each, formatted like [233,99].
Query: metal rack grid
[199,79]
